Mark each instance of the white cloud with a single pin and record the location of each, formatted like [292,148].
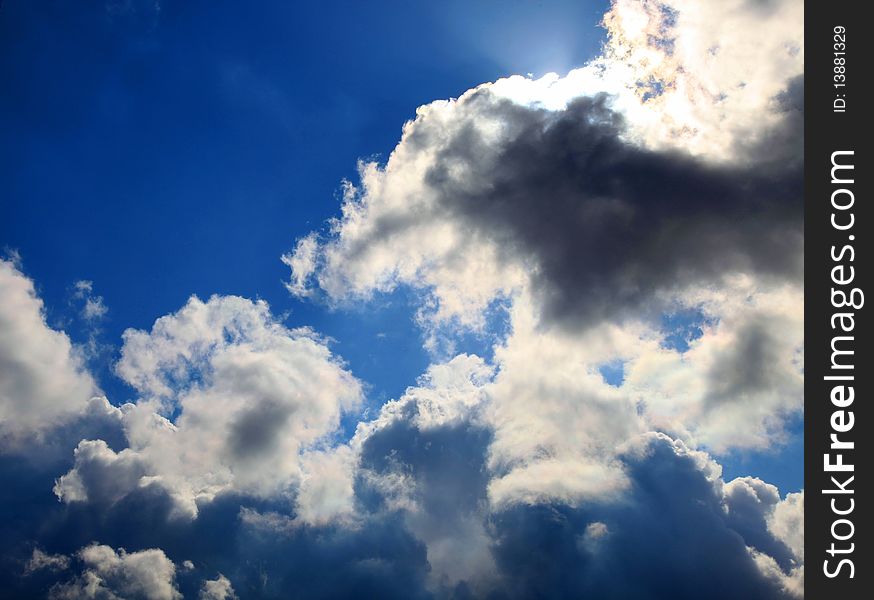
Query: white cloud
[786,522]
[423,432]
[554,415]
[326,491]
[229,400]
[43,380]
[787,525]
[683,76]
[100,474]
[783,519]
[792,584]
[740,380]
[302,261]
[446,393]
[219,588]
[111,575]
[93,307]
[570,481]
[702,77]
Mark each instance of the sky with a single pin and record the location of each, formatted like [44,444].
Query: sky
[163,150]
[409,299]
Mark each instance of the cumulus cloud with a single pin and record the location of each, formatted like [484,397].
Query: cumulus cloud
[553,415]
[786,523]
[100,474]
[219,588]
[326,493]
[229,400]
[508,186]
[108,574]
[43,379]
[302,262]
[424,456]
[651,543]
[552,546]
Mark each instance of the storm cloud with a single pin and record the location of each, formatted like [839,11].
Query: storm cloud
[605,225]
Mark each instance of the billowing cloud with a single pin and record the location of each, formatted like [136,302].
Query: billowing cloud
[508,186]
[663,177]
[649,544]
[229,400]
[424,457]
[111,575]
[100,475]
[219,588]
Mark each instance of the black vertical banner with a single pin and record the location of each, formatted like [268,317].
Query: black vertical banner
[838,372]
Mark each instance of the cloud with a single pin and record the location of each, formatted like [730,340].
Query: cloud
[93,307]
[302,262]
[229,398]
[707,74]
[435,476]
[326,492]
[556,202]
[501,188]
[554,415]
[786,523]
[100,475]
[405,510]
[649,544]
[739,381]
[111,575]
[219,588]
[39,560]
[705,530]
[43,379]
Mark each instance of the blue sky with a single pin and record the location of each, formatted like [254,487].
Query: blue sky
[181,151]
[563,305]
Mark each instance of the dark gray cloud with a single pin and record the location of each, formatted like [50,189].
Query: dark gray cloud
[749,365]
[256,430]
[605,224]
